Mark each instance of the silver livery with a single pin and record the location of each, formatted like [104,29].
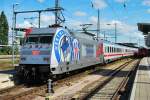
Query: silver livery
[56,50]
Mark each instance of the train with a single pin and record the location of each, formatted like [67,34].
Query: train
[142,52]
[53,51]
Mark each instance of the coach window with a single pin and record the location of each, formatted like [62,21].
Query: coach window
[114,50]
[110,49]
[107,49]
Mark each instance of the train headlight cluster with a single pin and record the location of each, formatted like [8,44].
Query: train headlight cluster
[23,58]
[47,59]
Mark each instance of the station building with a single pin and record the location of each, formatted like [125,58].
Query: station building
[145,29]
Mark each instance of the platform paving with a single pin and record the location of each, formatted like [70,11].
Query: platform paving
[6,79]
[141,85]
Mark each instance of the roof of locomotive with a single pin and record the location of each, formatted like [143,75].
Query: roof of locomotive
[43,30]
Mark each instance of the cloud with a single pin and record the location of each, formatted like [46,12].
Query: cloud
[120,1]
[25,24]
[74,24]
[146,2]
[40,1]
[46,20]
[93,19]
[80,13]
[99,4]
[148,11]
[122,28]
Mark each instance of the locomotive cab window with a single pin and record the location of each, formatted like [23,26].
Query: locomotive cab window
[31,40]
[45,39]
[39,39]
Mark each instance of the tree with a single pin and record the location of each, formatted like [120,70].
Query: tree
[4,28]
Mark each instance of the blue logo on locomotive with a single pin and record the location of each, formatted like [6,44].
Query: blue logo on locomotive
[65,47]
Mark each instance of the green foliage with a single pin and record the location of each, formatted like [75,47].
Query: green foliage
[4,28]
[5,51]
[8,50]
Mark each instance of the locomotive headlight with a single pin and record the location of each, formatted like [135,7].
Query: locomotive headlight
[23,58]
[47,59]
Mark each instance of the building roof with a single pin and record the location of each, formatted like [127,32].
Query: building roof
[144,27]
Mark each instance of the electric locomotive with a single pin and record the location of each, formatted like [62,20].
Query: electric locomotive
[53,51]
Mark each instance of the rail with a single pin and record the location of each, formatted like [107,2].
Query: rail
[87,92]
[37,90]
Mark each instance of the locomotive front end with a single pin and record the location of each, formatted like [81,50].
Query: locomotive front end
[35,55]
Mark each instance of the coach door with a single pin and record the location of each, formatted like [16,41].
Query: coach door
[99,52]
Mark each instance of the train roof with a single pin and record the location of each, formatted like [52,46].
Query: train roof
[43,30]
[128,45]
[118,44]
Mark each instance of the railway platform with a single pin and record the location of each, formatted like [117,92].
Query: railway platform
[141,85]
[6,79]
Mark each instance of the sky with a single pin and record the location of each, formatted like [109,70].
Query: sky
[125,13]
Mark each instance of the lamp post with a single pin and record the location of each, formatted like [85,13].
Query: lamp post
[115,24]
[98,22]
[98,18]
[13,31]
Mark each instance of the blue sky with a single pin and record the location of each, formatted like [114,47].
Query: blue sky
[80,11]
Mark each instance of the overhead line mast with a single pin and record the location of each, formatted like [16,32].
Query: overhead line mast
[56,12]
[59,18]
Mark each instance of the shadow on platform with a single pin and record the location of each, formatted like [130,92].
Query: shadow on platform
[143,67]
[12,72]
[105,72]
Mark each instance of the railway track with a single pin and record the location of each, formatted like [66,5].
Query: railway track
[26,93]
[110,86]
[13,92]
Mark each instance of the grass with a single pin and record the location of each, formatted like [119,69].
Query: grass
[7,64]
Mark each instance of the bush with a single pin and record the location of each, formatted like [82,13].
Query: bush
[8,50]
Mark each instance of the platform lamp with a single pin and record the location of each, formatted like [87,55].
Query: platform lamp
[13,31]
[98,18]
